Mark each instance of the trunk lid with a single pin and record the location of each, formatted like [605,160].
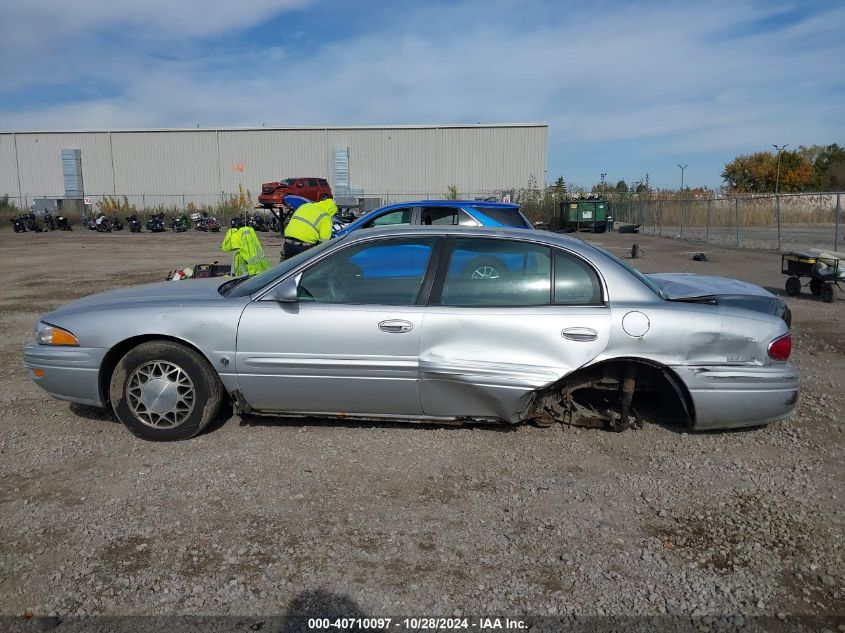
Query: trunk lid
[720,291]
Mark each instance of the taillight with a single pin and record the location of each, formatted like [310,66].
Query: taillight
[781,348]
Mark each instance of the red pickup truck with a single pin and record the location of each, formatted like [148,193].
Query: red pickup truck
[273,193]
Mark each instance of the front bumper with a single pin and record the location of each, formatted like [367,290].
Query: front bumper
[735,396]
[70,373]
[271,198]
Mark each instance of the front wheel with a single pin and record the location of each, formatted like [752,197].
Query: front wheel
[165,391]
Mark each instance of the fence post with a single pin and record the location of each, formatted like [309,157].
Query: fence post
[183,202]
[836,227]
[777,215]
[709,212]
[144,200]
[660,218]
[736,212]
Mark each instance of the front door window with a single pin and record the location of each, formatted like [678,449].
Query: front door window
[387,272]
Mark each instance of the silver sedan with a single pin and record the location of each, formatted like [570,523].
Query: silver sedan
[444,325]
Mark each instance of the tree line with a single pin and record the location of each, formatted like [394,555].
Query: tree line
[813,168]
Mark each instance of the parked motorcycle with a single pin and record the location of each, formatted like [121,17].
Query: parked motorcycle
[63,223]
[116,224]
[257,222]
[273,224]
[102,224]
[156,223]
[31,222]
[134,223]
[205,222]
[180,223]
[19,224]
[49,222]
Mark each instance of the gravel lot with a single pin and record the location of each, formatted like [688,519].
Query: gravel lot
[260,516]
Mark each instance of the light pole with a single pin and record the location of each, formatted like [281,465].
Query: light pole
[777,176]
[683,202]
[777,182]
[602,181]
[683,167]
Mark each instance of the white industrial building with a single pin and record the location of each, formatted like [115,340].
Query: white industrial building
[176,166]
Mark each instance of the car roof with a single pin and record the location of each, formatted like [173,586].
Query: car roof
[534,235]
[435,203]
[450,203]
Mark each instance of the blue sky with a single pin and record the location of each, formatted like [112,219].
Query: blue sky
[627,88]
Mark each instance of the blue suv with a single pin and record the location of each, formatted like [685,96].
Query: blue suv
[442,212]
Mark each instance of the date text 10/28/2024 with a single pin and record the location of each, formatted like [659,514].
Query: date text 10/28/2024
[418,624]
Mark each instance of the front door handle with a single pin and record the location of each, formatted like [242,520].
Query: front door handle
[396,326]
[580,334]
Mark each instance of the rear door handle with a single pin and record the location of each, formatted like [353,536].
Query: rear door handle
[579,334]
[396,326]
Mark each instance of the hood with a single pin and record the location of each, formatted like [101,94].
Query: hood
[721,291]
[162,293]
[270,187]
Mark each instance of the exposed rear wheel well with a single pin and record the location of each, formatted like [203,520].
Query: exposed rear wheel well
[614,394]
[117,352]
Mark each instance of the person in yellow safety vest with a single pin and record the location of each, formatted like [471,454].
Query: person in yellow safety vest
[310,224]
[249,257]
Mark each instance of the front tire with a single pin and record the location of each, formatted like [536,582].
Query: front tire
[164,391]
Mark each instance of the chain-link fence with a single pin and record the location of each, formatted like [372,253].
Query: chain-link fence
[223,205]
[784,222]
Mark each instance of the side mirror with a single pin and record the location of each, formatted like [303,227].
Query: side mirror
[288,290]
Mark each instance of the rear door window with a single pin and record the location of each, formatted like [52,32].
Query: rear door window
[496,272]
[501,216]
[432,216]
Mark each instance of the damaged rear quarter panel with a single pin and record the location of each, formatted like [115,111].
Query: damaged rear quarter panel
[695,334]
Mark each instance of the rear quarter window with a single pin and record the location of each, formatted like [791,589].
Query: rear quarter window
[576,283]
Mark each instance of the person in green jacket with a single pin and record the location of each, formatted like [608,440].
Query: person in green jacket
[249,257]
[310,224]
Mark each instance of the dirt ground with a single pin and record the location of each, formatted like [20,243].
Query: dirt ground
[254,516]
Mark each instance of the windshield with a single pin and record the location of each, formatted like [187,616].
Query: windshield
[244,286]
[502,215]
[287,182]
[636,273]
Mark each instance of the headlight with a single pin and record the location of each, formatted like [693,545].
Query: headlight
[51,335]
